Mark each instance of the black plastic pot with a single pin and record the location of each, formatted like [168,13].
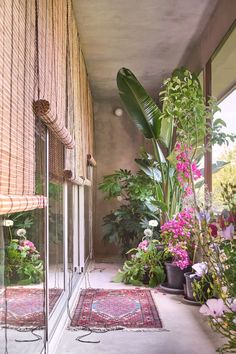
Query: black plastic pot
[175,276]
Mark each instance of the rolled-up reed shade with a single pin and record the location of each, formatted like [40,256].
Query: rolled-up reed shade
[56,126]
[91,160]
[81,181]
[16,203]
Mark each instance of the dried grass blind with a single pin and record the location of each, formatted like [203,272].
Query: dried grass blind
[17,133]
[40,59]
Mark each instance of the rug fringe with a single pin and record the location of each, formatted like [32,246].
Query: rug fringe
[23,328]
[118,328]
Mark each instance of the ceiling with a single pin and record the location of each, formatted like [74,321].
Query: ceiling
[150,37]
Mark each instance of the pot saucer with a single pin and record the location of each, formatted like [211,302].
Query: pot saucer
[169,290]
[185,300]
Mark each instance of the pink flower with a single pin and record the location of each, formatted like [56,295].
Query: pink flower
[214,308]
[143,245]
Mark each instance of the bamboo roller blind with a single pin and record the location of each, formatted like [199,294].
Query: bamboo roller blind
[17,134]
[61,80]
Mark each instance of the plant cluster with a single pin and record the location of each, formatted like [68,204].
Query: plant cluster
[22,262]
[135,192]
[185,117]
[220,257]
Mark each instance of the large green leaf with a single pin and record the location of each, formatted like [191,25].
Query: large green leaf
[150,171]
[166,132]
[140,106]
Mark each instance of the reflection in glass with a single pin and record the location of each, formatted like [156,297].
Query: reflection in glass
[56,241]
[22,302]
[22,270]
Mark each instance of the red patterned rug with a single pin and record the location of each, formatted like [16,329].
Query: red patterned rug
[24,307]
[116,309]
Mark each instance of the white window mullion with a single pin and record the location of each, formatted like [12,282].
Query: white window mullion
[65,232]
[81,229]
[75,228]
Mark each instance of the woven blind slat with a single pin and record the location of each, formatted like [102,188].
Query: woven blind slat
[16,203]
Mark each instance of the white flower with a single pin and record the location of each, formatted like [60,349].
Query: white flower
[119,198]
[153,223]
[21,232]
[200,268]
[7,223]
[148,232]
[214,308]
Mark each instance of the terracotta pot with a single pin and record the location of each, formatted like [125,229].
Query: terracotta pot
[175,276]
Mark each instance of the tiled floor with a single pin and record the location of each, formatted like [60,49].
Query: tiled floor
[187,332]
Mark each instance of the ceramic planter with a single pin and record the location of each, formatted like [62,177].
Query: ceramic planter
[189,289]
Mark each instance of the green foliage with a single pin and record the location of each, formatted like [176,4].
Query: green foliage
[220,256]
[203,288]
[229,195]
[22,267]
[144,267]
[139,104]
[124,226]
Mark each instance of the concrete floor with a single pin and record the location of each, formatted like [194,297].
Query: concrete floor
[188,333]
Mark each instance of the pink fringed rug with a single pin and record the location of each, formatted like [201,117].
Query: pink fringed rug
[116,309]
[24,307]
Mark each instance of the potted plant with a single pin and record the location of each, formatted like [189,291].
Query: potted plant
[146,264]
[198,278]
[177,235]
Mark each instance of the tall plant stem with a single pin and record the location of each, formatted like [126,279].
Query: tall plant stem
[164,187]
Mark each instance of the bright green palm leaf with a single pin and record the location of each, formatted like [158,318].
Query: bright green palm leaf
[140,106]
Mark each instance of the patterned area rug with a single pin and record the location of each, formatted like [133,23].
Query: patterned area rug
[116,309]
[25,306]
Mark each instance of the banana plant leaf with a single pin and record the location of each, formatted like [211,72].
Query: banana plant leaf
[150,171]
[140,106]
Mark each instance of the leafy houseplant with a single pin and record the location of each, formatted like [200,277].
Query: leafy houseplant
[124,225]
[145,265]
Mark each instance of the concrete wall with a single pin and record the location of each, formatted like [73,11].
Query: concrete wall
[117,144]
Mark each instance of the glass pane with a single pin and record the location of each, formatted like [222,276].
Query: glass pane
[223,67]
[24,293]
[224,152]
[56,242]
[70,228]
[224,89]
[87,221]
[22,264]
